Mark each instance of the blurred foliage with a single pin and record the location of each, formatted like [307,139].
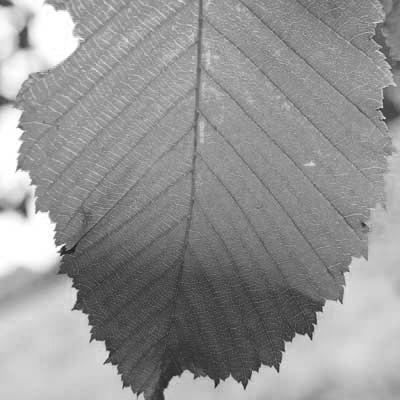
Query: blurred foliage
[25,47]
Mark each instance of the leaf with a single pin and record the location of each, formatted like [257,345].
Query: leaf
[391,27]
[210,166]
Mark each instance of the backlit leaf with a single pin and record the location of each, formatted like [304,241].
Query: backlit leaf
[210,166]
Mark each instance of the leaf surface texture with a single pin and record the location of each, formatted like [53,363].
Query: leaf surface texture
[210,166]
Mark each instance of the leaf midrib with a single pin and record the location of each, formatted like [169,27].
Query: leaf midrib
[196,134]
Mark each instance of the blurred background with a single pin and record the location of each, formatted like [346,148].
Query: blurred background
[44,348]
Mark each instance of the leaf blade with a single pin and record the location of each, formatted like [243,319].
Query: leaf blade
[212,171]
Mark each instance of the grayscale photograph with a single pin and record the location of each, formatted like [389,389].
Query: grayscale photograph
[200,199]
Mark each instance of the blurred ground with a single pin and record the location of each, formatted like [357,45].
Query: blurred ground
[44,349]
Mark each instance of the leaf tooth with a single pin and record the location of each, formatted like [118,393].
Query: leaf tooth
[77,306]
[107,361]
[92,338]
[278,360]
[341,294]
[125,384]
